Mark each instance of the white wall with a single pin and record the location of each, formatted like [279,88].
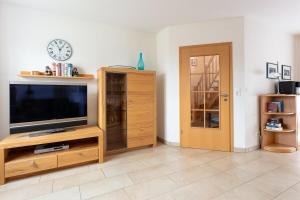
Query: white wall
[25,34]
[296,69]
[254,44]
[168,42]
[263,44]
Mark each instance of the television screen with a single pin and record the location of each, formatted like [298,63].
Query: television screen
[41,102]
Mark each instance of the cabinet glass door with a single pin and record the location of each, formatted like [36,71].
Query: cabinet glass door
[116,111]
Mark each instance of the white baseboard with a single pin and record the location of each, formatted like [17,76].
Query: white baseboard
[237,150]
[245,150]
[162,140]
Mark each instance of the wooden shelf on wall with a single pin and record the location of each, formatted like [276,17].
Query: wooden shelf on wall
[28,74]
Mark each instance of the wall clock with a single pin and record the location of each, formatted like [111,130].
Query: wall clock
[59,50]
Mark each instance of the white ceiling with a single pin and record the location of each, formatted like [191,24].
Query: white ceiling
[153,15]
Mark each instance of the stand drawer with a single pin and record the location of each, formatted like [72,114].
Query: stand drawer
[78,156]
[32,165]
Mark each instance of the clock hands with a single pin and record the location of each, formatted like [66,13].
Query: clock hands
[63,46]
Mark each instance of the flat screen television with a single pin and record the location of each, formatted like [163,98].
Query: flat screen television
[38,107]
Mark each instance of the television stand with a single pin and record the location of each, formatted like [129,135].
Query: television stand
[17,158]
[48,132]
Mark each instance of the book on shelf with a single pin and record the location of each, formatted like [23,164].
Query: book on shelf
[275,106]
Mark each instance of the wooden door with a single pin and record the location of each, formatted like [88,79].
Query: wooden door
[205,96]
[141,109]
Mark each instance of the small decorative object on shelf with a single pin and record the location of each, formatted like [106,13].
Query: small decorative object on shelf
[141,65]
[58,69]
[274,124]
[70,69]
[75,72]
[48,71]
[54,69]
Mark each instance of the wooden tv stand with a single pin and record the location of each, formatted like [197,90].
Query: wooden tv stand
[18,160]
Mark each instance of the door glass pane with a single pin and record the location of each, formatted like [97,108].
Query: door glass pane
[197,118]
[212,119]
[212,100]
[197,100]
[197,83]
[205,91]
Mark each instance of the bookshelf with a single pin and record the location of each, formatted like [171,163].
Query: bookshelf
[285,140]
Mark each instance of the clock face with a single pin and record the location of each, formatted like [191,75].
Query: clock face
[59,50]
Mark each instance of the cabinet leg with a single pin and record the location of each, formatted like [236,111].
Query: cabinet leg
[101,148]
[2,176]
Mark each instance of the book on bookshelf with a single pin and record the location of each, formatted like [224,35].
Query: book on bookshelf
[275,106]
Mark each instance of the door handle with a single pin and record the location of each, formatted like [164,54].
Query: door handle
[224,94]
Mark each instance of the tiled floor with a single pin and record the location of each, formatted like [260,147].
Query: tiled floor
[166,173]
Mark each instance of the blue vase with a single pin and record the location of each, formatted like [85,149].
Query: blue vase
[141,65]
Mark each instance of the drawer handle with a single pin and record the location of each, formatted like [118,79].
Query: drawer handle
[34,164]
[80,154]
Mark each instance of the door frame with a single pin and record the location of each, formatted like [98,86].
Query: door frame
[231,125]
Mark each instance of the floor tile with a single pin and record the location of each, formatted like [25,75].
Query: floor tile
[290,194]
[193,174]
[77,179]
[275,182]
[20,183]
[103,186]
[160,170]
[297,187]
[163,197]
[27,192]
[64,173]
[123,168]
[70,193]
[259,166]
[116,195]
[152,188]
[246,192]
[199,190]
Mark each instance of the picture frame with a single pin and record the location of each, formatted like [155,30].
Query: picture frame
[286,72]
[272,70]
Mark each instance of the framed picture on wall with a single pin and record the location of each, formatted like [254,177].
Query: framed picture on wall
[286,72]
[272,70]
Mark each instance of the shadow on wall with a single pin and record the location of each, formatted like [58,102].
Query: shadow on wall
[161,106]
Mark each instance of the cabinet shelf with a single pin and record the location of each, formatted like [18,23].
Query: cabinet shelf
[280,113]
[283,131]
[280,148]
[28,154]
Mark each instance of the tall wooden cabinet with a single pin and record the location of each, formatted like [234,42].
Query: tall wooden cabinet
[127,107]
